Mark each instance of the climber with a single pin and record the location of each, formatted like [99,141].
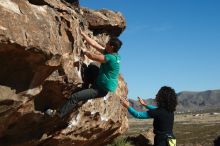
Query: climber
[163,115]
[107,80]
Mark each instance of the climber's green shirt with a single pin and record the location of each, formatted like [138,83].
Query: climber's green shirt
[109,71]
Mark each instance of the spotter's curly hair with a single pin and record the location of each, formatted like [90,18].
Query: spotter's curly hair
[167,98]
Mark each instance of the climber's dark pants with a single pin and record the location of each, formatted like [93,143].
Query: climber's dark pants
[82,95]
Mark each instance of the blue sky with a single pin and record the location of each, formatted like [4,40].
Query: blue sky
[168,42]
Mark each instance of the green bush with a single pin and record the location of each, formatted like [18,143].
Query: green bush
[120,141]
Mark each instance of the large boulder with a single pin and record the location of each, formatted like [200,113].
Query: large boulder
[42,64]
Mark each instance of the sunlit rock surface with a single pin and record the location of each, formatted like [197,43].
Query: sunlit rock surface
[41,65]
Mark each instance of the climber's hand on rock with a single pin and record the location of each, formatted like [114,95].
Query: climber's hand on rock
[86,53]
[81,32]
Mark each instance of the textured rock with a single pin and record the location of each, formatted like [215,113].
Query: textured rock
[41,65]
[105,21]
[144,139]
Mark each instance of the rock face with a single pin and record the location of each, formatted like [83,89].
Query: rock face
[41,65]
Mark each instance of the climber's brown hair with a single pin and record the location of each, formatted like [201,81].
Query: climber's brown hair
[116,43]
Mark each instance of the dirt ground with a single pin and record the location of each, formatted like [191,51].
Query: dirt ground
[190,129]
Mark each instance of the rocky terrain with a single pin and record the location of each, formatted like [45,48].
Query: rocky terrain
[42,64]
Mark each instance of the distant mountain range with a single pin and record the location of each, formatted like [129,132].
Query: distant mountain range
[190,101]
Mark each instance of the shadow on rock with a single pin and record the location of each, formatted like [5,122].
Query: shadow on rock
[20,132]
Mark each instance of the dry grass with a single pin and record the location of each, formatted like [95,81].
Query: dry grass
[203,134]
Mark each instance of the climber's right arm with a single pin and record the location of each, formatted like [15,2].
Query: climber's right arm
[92,42]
